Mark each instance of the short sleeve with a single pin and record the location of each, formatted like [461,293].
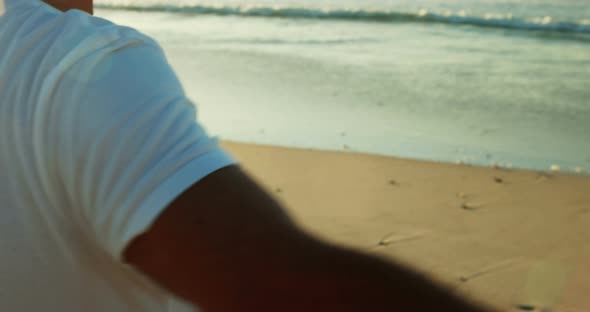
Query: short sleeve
[129,142]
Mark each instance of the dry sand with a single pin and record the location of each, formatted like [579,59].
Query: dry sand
[503,237]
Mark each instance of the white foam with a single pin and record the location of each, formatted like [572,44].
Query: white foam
[490,20]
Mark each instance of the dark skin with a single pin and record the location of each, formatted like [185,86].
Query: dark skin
[227,246]
[65,5]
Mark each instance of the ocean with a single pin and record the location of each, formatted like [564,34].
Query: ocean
[482,82]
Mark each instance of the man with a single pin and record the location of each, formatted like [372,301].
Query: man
[113,198]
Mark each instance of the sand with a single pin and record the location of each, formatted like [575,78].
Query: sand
[501,237]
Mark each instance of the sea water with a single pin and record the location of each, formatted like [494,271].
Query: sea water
[475,81]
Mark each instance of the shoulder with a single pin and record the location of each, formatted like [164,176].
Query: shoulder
[56,40]
[96,60]
[50,42]
[81,35]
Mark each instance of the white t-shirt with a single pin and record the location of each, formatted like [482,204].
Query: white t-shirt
[97,137]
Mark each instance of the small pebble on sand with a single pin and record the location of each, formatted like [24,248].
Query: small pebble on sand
[555,168]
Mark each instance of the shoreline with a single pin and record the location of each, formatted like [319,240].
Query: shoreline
[506,166]
[501,237]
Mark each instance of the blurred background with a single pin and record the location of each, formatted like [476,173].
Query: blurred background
[486,82]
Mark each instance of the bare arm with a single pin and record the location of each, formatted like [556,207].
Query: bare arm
[226,245]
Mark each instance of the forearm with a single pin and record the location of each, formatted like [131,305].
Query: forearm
[234,249]
[329,278]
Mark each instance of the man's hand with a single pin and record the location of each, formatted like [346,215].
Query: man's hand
[226,245]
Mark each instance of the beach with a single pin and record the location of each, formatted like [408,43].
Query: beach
[451,136]
[501,237]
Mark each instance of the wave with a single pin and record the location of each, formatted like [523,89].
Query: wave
[546,23]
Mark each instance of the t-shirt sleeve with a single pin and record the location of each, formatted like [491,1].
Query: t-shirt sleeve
[129,142]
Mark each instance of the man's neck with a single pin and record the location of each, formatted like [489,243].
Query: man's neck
[65,5]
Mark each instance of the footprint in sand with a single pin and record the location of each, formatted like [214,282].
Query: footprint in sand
[393,238]
[471,206]
[530,308]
